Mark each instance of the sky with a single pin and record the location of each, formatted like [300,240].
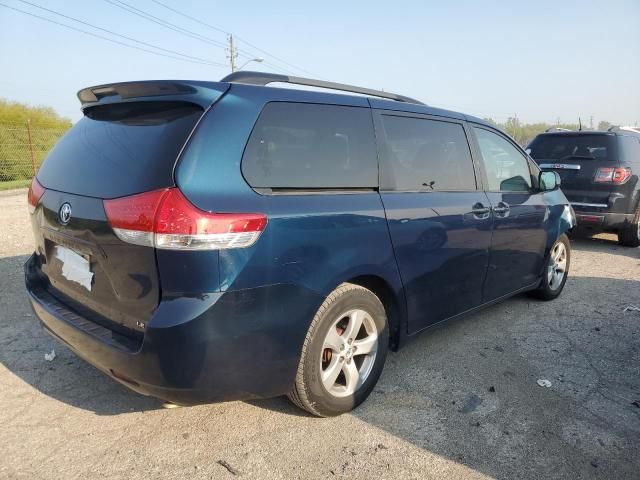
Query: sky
[540,60]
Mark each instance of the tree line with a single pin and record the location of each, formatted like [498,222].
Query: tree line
[41,117]
[523,133]
[26,135]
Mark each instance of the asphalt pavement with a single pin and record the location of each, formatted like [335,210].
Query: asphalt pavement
[460,401]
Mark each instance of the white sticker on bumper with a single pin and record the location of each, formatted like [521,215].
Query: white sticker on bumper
[74,267]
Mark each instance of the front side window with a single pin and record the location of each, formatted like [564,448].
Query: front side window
[299,145]
[507,169]
[427,155]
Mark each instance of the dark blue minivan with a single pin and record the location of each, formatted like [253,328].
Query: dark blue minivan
[211,241]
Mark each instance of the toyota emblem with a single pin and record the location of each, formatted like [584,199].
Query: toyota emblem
[64,214]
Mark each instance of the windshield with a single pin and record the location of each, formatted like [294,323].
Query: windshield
[573,147]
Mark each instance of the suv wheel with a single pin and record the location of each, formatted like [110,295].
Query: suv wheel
[629,236]
[343,353]
[556,270]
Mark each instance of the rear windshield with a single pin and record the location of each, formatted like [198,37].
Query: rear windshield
[573,147]
[120,149]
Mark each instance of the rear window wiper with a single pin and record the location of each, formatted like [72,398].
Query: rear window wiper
[587,157]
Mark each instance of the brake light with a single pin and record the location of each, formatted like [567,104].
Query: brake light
[166,219]
[35,193]
[612,175]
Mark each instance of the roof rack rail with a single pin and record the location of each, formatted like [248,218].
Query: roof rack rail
[557,129]
[617,128]
[261,78]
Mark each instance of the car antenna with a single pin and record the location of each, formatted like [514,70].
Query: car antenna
[579,124]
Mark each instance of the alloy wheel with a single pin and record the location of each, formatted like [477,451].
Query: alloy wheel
[558,266]
[348,353]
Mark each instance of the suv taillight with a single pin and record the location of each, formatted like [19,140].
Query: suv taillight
[35,193]
[612,175]
[166,219]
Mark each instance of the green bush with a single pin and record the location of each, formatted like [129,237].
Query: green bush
[15,148]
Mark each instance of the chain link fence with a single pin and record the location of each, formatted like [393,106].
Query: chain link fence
[23,147]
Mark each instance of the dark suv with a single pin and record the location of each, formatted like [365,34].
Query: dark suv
[599,172]
[203,241]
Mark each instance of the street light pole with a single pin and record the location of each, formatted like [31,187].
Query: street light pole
[233,56]
[257,60]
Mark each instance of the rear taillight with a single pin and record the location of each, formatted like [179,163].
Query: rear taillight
[132,218]
[33,196]
[612,175]
[166,219]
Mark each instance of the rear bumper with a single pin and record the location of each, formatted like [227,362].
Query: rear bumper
[613,200]
[600,220]
[214,347]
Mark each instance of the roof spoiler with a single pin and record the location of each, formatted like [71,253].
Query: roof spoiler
[199,92]
[133,89]
[557,129]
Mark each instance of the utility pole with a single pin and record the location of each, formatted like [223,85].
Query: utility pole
[233,53]
[591,122]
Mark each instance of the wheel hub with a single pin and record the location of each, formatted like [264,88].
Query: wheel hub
[348,353]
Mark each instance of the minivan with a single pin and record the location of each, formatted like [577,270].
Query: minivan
[212,241]
[599,172]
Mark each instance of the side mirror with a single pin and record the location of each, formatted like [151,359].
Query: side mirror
[549,181]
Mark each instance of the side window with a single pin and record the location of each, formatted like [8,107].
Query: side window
[630,149]
[507,169]
[427,155]
[300,145]
[535,173]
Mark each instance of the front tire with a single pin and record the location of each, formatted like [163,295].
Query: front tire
[343,353]
[629,235]
[556,270]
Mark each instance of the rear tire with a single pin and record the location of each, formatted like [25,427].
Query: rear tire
[629,235]
[556,270]
[343,353]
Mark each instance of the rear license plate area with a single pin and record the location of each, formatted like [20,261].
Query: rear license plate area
[74,266]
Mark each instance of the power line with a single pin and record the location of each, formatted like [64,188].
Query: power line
[277,58]
[105,38]
[199,59]
[162,4]
[275,67]
[176,28]
[164,23]
[190,17]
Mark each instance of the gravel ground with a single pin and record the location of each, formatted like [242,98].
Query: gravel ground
[458,402]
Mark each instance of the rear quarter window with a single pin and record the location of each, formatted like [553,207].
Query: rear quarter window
[311,146]
[630,149]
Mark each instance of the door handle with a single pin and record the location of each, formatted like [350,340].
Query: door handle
[502,209]
[480,212]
